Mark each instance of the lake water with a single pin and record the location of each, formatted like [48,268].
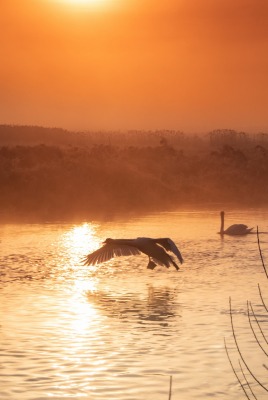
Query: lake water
[118,331]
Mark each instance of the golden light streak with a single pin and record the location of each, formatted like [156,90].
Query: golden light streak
[80,240]
[83,2]
[81,236]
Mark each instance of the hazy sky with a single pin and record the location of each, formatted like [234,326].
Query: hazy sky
[191,65]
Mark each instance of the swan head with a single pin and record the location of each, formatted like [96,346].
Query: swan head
[108,240]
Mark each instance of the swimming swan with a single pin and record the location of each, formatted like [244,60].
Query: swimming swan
[155,249]
[236,229]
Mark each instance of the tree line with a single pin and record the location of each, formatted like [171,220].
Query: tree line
[46,182]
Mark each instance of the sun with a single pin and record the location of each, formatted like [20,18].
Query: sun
[83,2]
[90,5]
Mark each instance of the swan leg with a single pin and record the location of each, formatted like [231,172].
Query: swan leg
[151,264]
[175,265]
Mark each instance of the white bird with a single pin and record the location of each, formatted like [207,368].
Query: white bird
[155,249]
[233,230]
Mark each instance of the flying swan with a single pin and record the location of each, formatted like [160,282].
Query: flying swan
[155,249]
[236,229]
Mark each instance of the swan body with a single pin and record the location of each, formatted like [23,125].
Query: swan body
[233,230]
[155,249]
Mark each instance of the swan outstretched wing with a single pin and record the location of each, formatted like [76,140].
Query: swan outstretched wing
[108,251]
[169,245]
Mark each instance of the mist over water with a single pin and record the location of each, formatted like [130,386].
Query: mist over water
[56,175]
[118,331]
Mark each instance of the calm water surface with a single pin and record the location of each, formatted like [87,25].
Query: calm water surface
[119,331]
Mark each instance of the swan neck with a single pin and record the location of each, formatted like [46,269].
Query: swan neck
[222,223]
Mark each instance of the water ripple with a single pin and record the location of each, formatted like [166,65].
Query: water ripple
[118,331]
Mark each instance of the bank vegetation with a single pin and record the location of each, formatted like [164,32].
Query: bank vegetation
[51,174]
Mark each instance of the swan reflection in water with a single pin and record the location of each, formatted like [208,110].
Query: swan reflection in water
[159,306]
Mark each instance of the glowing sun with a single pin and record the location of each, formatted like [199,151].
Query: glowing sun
[87,4]
[84,1]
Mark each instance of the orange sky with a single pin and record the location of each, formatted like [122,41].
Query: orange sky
[191,65]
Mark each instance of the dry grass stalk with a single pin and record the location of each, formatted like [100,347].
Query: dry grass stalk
[170,387]
[244,382]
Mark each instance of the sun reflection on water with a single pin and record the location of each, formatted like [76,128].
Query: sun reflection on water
[82,314]
[83,317]
[82,237]
[80,240]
